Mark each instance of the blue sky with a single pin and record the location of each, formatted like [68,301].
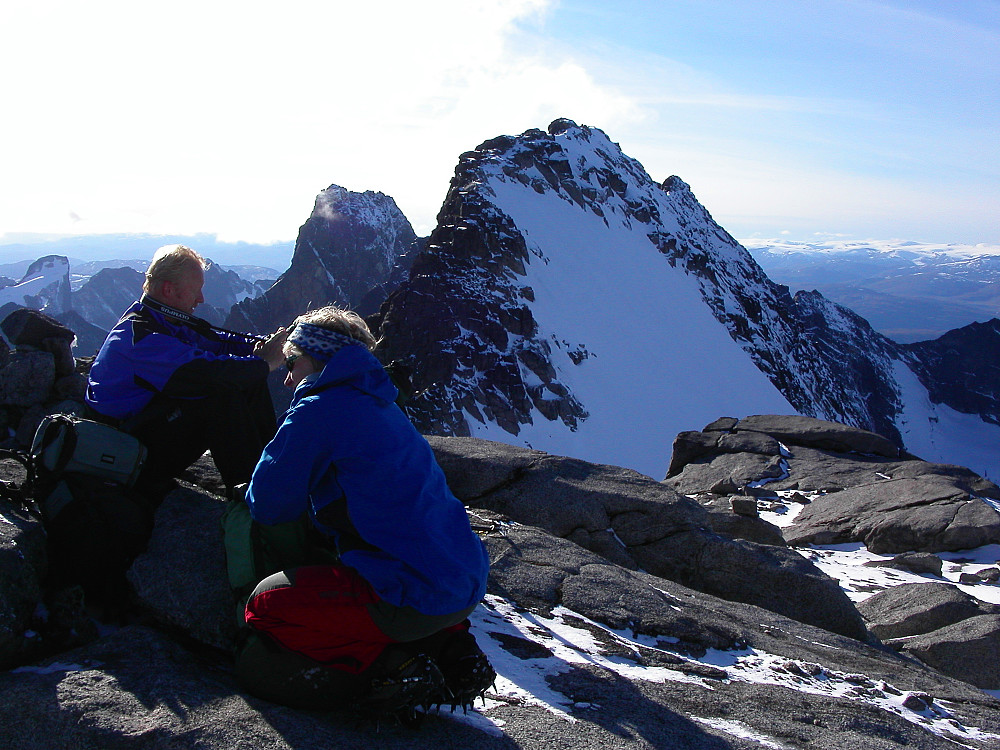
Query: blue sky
[853,118]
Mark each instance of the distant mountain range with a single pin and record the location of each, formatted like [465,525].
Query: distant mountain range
[908,291]
[91,297]
[20,250]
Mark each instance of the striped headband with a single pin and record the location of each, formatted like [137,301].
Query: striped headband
[319,343]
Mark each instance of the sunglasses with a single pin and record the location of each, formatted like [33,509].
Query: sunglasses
[290,361]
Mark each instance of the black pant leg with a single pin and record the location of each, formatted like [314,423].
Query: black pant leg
[242,424]
[233,424]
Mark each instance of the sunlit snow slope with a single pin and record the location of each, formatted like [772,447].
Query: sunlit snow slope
[657,361]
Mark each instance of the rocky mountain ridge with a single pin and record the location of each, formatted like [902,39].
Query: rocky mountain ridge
[469,318]
[495,314]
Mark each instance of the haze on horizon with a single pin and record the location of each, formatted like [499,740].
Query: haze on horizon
[837,118]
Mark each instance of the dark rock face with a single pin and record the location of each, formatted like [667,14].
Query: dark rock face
[456,320]
[348,247]
[856,363]
[962,369]
[108,294]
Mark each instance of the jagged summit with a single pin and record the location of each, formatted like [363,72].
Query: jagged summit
[345,252]
[569,302]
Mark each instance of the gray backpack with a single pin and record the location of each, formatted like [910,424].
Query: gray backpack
[65,443]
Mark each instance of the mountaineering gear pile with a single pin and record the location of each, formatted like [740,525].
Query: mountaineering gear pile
[96,522]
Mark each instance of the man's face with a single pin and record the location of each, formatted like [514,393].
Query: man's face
[185,294]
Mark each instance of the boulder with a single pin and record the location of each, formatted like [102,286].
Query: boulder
[750,442]
[931,513]
[28,327]
[181,578]
[32,329]
[968,650]
[728,473]
[915,608]
[814,470]
[27,378]
[869,493]
[690,446]
[639,523]
[737,517]
[921,563]
[817,433]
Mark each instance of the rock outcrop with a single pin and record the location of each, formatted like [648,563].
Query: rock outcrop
[39,375]
[151,685]
[864,489]
[961,368]
[496,319]
[640,524]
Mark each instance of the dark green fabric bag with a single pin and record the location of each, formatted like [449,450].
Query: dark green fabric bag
[255,551]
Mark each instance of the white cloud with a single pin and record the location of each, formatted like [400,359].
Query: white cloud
[213,115]
[230,117]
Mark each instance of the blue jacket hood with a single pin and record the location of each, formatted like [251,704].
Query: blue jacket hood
[354,366]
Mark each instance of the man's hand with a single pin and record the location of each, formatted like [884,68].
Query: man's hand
[270,350]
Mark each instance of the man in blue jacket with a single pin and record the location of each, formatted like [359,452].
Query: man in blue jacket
[385,626]
[181,386]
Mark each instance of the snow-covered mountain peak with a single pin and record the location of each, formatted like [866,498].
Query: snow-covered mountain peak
[562,297]
[45,286]
[568,302]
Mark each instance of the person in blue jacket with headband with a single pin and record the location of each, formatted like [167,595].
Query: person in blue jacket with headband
[179,384]
[387,624]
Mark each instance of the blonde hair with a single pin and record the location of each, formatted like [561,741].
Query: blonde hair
[346,322]
[170,263]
